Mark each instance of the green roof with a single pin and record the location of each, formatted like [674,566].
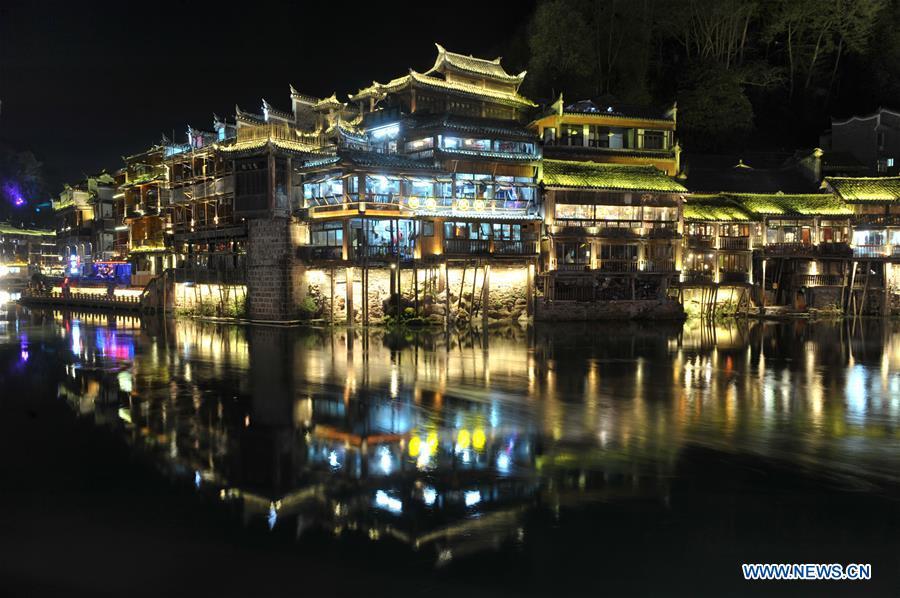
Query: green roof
[714,208]
[862,189]
[781,204]
[8,229]
[619,177]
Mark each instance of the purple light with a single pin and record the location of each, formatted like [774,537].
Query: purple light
[14,193]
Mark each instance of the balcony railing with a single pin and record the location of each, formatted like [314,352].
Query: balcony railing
[733,277]
[818,280]
[315,252]
[657,265]
[699,277]
[701,242]
[573,267]
[489,246]
[384,252]
[872,250]
[789,248]
[734,243]
[833,249]
[622,266]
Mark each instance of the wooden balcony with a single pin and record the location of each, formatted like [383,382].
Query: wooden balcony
[698,277]
[701,242]
[734,243]
[489,247]
[732,277]
[818,280]
[312,253]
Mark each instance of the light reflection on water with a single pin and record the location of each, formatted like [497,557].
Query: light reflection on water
[445,442]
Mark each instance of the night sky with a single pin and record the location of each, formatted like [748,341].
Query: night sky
[83,84]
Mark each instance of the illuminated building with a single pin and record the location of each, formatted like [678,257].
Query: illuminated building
[606,131]
[85,223]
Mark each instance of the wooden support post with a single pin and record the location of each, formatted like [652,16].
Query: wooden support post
[332,295]
[529,290]
[349,280]
[446,294]
[485,295]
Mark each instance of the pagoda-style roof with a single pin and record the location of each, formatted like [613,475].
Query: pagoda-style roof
[247,117]
[787,205]
[606,107]
[302,97]
[472,67]
[414,79]
[618,177]
[865,189]
[269,111]
[329,103]
[468,124]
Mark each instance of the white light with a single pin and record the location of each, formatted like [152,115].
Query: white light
[333,460]
[197,479]
[429,495]
[385,460]
[472,497]
[273,516]
[503,462]
[383,501]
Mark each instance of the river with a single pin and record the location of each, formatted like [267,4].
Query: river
[566,459]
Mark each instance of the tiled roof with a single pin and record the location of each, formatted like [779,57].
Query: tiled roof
[8,229]
[714,208]
[507,156]
[400,83]
[561,173]
[379,160]
[865,189]
[472,65]
[806,204]
[488,126]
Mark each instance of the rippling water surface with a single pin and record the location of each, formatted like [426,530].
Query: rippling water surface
[566,446]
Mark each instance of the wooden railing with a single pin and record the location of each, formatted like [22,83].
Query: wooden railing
[733,277]
[734,243]
[818,280]
[624,266]
[489,247]
[701,242]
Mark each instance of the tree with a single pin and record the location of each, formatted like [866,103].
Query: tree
[713,110]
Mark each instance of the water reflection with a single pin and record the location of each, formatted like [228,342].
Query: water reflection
[446,442]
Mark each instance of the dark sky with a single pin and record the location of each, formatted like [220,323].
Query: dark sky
[83,84]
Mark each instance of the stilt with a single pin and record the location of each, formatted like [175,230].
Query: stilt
[349,280]
[485,295]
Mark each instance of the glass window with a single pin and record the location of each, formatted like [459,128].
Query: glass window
[654,140]
[573,253]
[574,211]
[573,134]
[428,228]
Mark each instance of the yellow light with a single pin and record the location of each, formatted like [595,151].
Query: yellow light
[430,203]
[478,439]
[415,444]
[413,202]
[479,204]
[463,439]
[463,204]
[431,439]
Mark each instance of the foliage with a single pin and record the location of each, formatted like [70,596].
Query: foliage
[714,110]
[785,65]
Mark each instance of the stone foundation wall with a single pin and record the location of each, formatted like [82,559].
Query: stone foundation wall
[273,275]
[507,294]
[569,311]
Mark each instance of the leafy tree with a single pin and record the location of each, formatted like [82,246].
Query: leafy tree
[713,110]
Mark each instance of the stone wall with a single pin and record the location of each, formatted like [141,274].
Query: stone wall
[507,294]
[568,311]
[273,275]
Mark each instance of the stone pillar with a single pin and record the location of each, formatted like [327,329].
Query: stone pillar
[273,275]
[485,295]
